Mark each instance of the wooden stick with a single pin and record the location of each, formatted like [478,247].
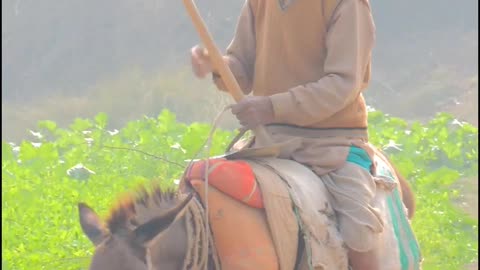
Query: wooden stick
[214,54]
[217,60]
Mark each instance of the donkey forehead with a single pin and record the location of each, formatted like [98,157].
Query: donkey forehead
[113,254]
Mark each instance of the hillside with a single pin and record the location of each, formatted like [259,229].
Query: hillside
[425,59]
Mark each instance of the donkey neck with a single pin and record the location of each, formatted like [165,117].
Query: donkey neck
[168,249]
[188,240]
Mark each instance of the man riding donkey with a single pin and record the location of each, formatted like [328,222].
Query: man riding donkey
[306,64]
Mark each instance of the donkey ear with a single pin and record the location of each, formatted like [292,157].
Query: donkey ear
[152,228]
[91,224]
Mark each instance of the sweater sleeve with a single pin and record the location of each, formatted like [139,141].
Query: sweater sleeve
[240,54]
[349,42]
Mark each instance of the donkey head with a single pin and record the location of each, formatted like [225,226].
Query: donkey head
[119,247]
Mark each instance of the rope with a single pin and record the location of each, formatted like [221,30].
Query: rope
[209,144]
[242,132]
[199,242]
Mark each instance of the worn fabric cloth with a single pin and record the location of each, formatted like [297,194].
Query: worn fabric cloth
[312,59]
[353,190]
[285,183]
[294,199]
[352,187]
[326,153]
[280,214]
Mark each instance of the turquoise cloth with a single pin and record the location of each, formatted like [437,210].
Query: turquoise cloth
[409,250]
[360,157]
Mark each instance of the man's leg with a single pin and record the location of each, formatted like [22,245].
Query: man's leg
[363,260]
[353,190]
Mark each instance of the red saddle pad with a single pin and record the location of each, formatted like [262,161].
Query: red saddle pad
[232,177]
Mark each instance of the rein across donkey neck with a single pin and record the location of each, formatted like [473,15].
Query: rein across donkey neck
[201,253]
[142,233]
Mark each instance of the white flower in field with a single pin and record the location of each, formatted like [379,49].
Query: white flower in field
[15,148]
[79,172]
[36,134]
[176,182]
[36,145]
[113,133]
[178,146]
[408,132]
[89,141]
[457,123]
[87,132]
[392,145]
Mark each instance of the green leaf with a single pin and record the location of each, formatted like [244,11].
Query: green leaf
[167,118]
[101,120]
[442,177]
[7,152]
[27,151]
[81,124]
[48,125]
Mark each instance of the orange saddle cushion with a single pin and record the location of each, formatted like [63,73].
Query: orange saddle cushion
[236,214]
[241,233]
[232,177]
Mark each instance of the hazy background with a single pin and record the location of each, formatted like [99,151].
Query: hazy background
[65,59]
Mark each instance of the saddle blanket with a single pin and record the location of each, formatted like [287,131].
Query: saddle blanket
[295,199]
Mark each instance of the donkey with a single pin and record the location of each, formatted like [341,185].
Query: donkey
[150,231]
[161,230]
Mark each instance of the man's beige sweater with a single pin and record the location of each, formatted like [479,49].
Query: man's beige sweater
[312,59]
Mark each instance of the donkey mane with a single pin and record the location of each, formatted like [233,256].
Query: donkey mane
[124,209]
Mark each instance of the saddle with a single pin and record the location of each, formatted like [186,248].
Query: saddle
[261,208]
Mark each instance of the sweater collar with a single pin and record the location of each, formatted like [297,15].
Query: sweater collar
[284,4]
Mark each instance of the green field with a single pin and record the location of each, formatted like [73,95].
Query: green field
[41,187]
